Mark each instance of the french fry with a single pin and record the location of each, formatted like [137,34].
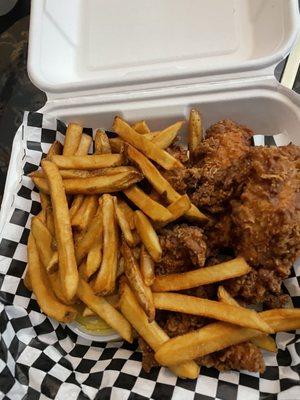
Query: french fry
[154,210]
[141,127]
[165,138]
[77,201]
[72,139]
[47,208]
[116,145]
[121,267]
[80,173]
[84,145]
[178,208]
[146,267]
[195,134]
[43,240]
[106,277]
[219,335]
[210,309]
[66,254]
[160,184]
[55,148]
[42,289]
[113,299]
[124,224]
[57,288]
[102,145]
[263,341]
[94,185]
[128,212]
[148,235]
[152,333]
[142,292]
[279,319]
[92,235]
[145,145]
[202,276]
[85,213]
[208,339]
[282,319]
[105,310]
[88,162]
[93,261]
[27,280]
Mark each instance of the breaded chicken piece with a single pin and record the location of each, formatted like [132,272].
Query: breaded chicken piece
[184,248]
[223,164]
[267,216]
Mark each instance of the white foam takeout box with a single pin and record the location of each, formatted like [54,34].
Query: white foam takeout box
[156,59]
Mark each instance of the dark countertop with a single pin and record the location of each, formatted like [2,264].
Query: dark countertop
[17,93]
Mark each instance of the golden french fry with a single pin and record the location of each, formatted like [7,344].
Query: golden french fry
[72,139]
[120,267]
[57,288]
[212,337]
[88,162]
[77,201]
[55,148]
[43,240]
[94,185]
[27,280]
[84,145]
[195,134]
[85,213]
[282,319]
[164,138]
[148,235]
[80,173]
[219,335]
[42,289]
[66,254]
[128,212]
[154,210]
[93,261]
[106,278]
[145,145]
[178,208]
[142,292]
[146,267]
[116,145]
[91,236]
[160,184]
[52,266]
[124,224]
[152,333]
[105,310]
[48,213]
[112,299]
[140,127]
[210,309]
[202,276]
[102,145]
[264,341]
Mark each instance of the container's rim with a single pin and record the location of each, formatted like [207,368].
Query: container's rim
[77,87]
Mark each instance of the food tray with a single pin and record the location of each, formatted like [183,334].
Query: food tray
[44,359]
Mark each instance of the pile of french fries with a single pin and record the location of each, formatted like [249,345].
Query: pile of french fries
[95,244]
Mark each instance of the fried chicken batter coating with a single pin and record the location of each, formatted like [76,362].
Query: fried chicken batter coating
[267,216]
[223,164]
[184,248]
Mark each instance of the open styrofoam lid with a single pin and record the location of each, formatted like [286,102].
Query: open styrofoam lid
[80,45]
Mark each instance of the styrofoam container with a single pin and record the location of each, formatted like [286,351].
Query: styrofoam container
[155,60]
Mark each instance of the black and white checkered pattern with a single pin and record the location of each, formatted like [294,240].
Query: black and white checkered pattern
[41,359]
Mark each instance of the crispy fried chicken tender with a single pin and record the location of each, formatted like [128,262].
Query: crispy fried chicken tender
[184,248]
[223,164]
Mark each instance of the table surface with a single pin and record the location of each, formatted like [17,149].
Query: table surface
[17,93]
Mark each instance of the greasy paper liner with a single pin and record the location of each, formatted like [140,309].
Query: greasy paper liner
[42,359]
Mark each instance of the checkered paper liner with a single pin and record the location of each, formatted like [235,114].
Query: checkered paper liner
[42,359]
